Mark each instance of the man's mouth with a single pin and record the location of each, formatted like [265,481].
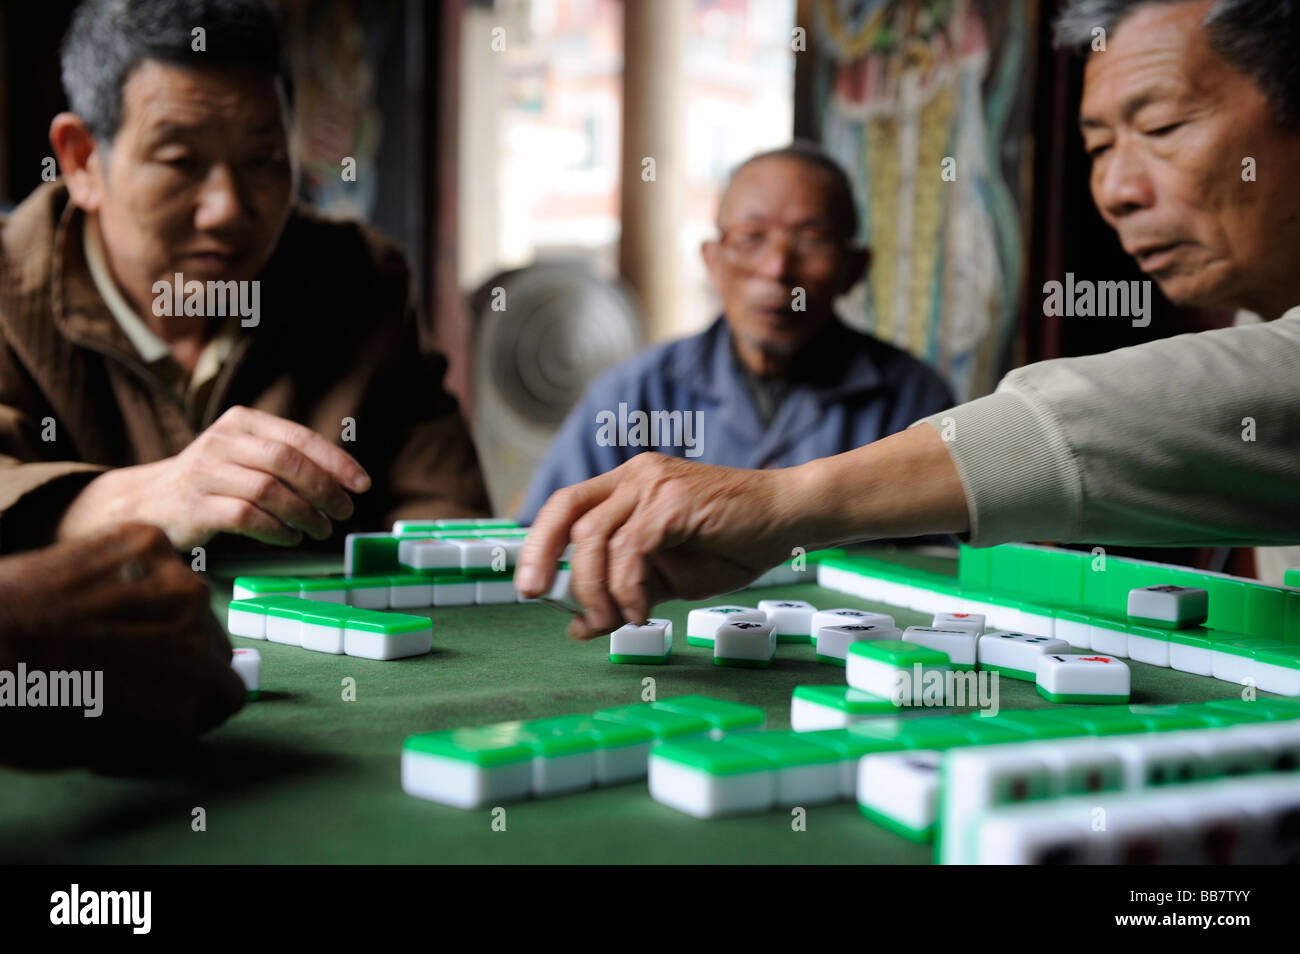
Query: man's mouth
[1151,258]
[219,261]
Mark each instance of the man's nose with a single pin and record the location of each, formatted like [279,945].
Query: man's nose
[1123,184]
[219,200]
[777,259]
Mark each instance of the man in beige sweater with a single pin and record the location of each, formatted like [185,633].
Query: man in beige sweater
[1193,440]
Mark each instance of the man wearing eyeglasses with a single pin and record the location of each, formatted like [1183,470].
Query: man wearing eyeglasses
[777,379]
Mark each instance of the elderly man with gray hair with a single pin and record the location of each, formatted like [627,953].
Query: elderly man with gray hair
[1228,168]
[132,388]
[1191,114]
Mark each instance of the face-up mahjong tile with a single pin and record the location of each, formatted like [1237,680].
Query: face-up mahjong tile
[970,622]
[702,624]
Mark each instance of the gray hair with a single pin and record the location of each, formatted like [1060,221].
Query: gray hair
[1257,37]
[845,206]
[108,39]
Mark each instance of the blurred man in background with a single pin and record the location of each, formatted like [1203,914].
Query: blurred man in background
[778,379]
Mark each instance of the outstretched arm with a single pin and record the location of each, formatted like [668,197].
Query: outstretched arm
[1187,441]
[660,528]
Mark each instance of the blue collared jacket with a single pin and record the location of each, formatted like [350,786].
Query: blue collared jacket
[862,389]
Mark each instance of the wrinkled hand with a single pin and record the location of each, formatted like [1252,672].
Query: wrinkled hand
[250,473]
[121,603]
[658,528]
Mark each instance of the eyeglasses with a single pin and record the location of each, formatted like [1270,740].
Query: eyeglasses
[746,245]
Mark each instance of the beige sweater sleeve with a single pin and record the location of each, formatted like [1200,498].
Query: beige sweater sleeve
[1190,441]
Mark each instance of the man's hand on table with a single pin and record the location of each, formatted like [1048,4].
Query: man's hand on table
[659,528]
[119,602]
[250,473]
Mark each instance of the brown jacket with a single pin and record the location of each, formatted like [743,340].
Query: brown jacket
[337,338]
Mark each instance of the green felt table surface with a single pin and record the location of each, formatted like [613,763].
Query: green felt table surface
[302,776]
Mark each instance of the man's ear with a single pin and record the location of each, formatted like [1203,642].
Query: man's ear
[711,252]
[80,159]
[856,263]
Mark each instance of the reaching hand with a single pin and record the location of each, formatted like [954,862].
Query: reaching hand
[250,473]
[658,528]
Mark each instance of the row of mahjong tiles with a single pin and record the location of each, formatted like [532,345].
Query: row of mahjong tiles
[1159,624]
[419,564]
[432,546]
[1226,821]
[893,767]
[341,615]
[1074,586]
[331,627]
[1225,796]
[413,569]
[710,758]
[411,590]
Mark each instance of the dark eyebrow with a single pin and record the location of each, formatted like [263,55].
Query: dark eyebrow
[1130,107]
